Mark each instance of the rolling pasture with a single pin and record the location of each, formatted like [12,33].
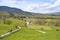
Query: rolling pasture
[29,33]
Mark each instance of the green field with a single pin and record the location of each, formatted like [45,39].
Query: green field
[29,33]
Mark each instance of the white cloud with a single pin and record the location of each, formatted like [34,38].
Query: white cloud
[10,3]
[36,7]
[33,7]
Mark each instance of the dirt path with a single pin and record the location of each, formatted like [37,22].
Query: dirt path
[41,31]
[8,33]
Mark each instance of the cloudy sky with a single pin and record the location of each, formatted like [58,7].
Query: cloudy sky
[40,6]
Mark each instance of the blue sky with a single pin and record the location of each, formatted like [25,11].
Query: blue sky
[38,6]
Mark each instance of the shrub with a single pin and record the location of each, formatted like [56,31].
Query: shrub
[8,22]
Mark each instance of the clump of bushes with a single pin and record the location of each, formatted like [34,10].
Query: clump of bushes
[8,22]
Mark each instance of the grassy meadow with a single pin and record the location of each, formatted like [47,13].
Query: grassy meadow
[29,33]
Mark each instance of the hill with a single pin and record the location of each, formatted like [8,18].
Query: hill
[19,12]
[28,33]
[10,9]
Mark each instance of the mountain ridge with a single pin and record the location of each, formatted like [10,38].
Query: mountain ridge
[17,10]
[10,9]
